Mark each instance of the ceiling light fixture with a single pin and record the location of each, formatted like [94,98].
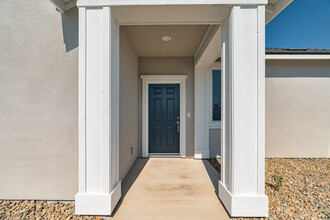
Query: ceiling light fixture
[166,38]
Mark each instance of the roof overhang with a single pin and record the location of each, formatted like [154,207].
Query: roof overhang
[63,5]
[272,8]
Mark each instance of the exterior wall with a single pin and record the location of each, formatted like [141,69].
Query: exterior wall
[169,66]
[214,142]
[297,108]
[128,105]
[39,101]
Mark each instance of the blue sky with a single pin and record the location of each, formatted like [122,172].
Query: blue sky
[303,24]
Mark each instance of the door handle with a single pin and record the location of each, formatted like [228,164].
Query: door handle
[177,126]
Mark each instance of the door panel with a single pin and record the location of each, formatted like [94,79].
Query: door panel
[164,112]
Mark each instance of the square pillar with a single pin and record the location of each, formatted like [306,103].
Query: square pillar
[99,185]
[201,121]
[242,184]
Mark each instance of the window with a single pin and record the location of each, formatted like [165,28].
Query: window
[216,95]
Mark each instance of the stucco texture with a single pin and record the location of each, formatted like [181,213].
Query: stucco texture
[297,108]
[128,105]
[38,101]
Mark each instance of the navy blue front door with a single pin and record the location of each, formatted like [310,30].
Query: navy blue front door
[164,112]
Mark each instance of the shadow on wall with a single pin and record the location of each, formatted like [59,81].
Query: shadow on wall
[70,28]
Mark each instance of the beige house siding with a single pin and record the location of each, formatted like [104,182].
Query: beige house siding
[128,105]
[298,108]
[38,101]
[169,66]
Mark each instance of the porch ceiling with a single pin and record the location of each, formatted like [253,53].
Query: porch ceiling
[147,39]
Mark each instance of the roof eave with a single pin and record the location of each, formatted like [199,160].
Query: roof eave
[63,6]
[273,10]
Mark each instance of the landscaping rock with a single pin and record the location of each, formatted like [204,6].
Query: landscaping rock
[305,194]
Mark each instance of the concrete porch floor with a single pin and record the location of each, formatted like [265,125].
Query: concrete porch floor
[170,188]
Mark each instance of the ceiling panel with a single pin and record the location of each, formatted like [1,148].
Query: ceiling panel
[147,39]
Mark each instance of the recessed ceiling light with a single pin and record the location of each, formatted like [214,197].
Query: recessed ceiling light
[166,38]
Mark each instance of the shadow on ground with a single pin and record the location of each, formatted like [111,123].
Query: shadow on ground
[129,180]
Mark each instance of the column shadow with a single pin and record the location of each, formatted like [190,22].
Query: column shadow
[129,180]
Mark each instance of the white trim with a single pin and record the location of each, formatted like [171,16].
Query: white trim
[201,129]
[209,96]
[82,101]
[91,3]
[210,42]
[242,184]
[98,175]
[297,56]
[243,206]
[59,4]
[163,79]
[165,155]
[274,10]
[63,6]
[97,204]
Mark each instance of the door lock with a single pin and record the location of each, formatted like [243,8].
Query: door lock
[178,126]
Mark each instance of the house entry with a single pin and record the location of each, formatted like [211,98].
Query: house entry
[164,118]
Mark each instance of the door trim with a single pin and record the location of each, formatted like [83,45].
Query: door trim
[163,79]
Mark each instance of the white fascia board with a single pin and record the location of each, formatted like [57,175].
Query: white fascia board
[62,6]
[297,57]
[70,5]
[274,10]
[89,3]
[59,4]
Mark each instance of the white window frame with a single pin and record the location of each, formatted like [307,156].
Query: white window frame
[209,96]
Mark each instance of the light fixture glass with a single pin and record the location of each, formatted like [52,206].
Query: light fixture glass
[166,38]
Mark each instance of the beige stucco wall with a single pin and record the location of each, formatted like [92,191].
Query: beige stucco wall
[180,66]
[128,105]
[298,108]
[38,101]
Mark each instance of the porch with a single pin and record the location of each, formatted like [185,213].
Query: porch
[114,103]
[170,188]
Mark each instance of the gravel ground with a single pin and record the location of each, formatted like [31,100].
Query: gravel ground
[304,195]
[306,188]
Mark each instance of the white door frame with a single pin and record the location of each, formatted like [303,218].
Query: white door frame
[163,79]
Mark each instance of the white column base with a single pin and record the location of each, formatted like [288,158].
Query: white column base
[202,153]
[97,204]
[243,206]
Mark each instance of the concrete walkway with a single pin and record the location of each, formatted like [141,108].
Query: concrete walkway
[170,188]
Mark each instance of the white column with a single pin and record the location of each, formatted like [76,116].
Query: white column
[99,185]
[242,184]
[201,137]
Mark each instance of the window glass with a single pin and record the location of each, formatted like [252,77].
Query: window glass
[216,95]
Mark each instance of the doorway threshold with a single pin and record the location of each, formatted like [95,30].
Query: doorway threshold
[164,155]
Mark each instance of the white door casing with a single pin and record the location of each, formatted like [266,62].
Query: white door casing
[163,79]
